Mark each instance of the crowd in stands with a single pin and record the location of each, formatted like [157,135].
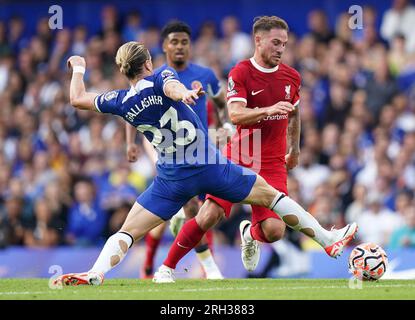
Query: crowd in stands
[64,177]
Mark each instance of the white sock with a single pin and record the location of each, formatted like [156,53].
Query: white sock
[208,264]
[284,206]
[113,252]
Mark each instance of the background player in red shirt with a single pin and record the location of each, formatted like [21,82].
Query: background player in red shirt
[261,93]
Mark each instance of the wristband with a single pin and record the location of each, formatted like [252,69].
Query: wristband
[78,69]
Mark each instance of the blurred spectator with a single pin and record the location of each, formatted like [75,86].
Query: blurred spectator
[109,20]
[324,210]
[377,223]
[338,106]
[381,89]
[13,226]
[118,189]
[117,218]
[5,48]
[400,19]
[319,27]
[44,230]
[132,30]
[206,46]
[58,202]
[86,220]
[43,32]
[151,39]
[16,35]
[365,37]
[358,206]
[79,41]
[404,237]
[237,43]
[309,174]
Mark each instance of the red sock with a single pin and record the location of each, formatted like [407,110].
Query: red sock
[209,239]
[151,249]
[188,237]
[258,234]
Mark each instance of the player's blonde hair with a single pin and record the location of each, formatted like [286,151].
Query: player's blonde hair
[266,23]
[130,58]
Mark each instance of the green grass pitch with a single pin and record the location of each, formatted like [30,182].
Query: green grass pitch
[229,289]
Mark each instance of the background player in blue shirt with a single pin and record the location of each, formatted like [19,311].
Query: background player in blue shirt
[176,37]
[157,104]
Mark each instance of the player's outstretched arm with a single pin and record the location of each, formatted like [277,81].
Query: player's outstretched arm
[176,91]
[240,115]
[79,98]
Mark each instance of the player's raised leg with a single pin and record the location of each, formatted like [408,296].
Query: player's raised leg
[297,218]
[261,194]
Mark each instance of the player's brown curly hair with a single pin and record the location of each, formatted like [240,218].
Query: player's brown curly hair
[266,23]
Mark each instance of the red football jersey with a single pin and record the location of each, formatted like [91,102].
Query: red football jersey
[262,145]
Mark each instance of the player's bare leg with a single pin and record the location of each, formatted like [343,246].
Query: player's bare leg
[139,221]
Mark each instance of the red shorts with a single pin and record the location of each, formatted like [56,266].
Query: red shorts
[277,179]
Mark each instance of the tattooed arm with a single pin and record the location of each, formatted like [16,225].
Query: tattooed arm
[293,139]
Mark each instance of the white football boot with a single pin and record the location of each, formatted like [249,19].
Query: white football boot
[250,251]
[164,275]
[342,238]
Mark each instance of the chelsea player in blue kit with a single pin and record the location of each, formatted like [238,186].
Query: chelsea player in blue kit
[157,104]
[176,38]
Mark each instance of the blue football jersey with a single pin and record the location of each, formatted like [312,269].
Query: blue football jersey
[195,76]
[172,127]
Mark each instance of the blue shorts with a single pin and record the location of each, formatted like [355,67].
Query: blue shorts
[229,181]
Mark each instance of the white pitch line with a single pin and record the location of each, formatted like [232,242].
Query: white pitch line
[164,289]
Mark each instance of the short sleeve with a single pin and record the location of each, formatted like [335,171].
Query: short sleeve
[296,97]
[109,102]
[236,87]
[164,77]
[213,84]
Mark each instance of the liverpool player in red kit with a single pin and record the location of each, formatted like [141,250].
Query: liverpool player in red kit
[261,94]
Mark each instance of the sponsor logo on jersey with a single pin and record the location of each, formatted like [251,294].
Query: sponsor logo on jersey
[276,117]
[167,75]
[288,92]
[110,95]
[231,84]
[231,93]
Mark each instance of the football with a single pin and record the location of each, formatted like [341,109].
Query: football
[368,262]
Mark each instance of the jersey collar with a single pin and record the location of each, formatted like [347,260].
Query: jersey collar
[262,69]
